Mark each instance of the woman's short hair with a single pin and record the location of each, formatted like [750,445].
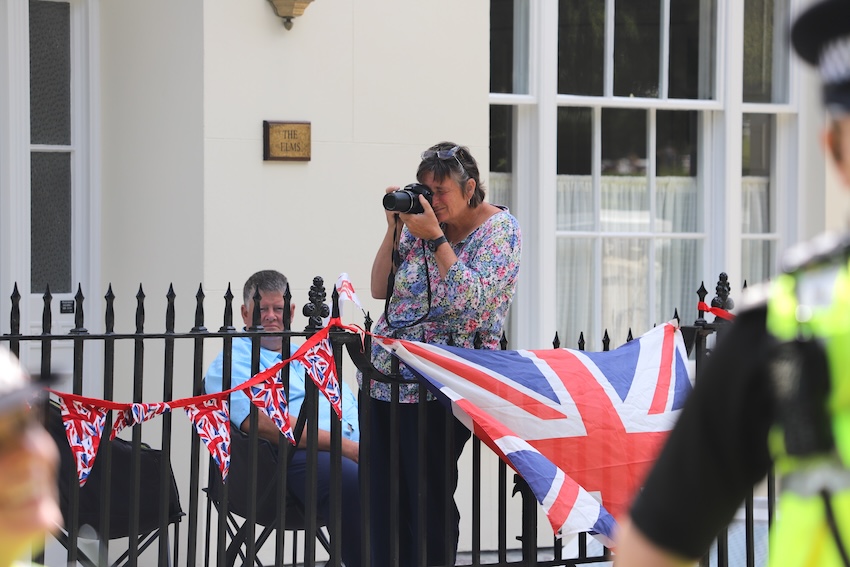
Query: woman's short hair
[448,159]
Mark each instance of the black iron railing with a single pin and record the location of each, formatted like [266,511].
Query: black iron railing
[190,534]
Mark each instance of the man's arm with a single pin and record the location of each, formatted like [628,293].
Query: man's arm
[634,549]
[269,431]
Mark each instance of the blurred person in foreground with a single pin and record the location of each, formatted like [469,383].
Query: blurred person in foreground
[447,269]
[29,463]
[775,391]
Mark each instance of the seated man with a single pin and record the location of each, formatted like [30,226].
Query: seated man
[272,285]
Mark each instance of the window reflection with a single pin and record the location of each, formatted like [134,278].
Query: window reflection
[501,138]
[758,252]
[50,222]
[501,155]
[677,194]
[637,43]
[692,41]
[575,160]
[509,46]
[756,186]
[51,187]
[765,51]
[50,73]
[623,142]
[581,47]
[625,187]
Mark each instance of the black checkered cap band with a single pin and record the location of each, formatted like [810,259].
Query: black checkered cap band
[834,61]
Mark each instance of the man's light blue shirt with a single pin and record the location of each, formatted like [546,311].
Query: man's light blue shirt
[240,405]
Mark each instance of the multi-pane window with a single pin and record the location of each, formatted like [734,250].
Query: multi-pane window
[630,236]
[758,238]
[629,178]
[51,146]
[765,80]
[639,171]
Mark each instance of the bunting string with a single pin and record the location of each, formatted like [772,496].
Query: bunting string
[716,311]
[84,417]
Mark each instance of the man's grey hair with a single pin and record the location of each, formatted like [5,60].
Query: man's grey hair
[264,280]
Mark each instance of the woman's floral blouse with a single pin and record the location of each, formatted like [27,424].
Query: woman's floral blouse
[473,298]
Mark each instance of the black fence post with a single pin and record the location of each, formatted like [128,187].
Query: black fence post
[529,521]
[195,443]
[165,463]
[315,310]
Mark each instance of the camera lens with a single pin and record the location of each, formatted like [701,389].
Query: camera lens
[399,201]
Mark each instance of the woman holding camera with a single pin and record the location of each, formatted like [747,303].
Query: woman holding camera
[448,275]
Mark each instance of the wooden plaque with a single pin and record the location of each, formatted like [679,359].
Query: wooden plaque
[286,141]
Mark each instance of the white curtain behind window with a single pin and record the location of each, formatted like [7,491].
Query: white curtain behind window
[626,274]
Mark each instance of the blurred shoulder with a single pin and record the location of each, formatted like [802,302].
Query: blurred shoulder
[827,248]
[754,297]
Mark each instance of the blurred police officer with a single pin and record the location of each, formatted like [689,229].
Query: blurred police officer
[776,390]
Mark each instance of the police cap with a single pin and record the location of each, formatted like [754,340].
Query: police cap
[821,36]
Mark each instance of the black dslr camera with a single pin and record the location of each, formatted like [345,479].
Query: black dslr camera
[407,200]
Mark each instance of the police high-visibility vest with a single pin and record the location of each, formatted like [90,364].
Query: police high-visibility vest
[813,518]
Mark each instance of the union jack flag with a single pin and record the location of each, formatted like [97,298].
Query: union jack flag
[319,361]
[571,423]
[212,422]
[83,427]
[136,413]
[270,397]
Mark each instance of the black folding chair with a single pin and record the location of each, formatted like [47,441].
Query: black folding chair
[87,514]
[238,482]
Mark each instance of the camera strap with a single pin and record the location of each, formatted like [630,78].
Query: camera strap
[396,262]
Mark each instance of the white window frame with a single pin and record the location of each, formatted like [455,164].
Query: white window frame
[535,162]
[15,150]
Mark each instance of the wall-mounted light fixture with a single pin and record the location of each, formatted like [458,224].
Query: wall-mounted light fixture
[288,9]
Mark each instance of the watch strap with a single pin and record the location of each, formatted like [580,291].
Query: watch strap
[435,243]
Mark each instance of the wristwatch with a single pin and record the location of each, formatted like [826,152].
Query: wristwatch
[434,244]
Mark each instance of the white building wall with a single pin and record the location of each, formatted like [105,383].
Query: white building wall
[152,97]
[152,154]
[379,81]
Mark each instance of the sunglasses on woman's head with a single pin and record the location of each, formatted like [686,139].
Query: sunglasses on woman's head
[444,155]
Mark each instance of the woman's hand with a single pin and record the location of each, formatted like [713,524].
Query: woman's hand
[391,215]
[423,225]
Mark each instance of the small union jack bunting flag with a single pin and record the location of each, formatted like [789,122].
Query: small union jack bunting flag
[270,397]
[137,413]
[83,427]
[319,361]
[212,422]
